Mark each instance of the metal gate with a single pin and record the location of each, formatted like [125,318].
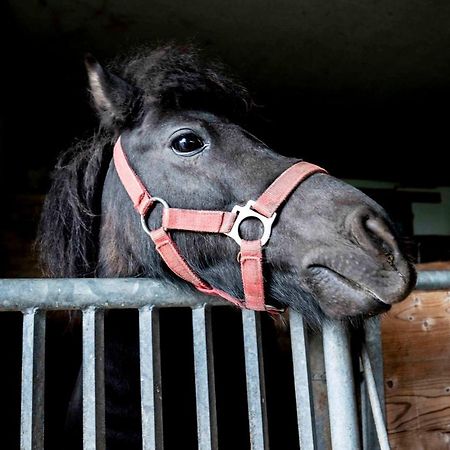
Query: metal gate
[33,297]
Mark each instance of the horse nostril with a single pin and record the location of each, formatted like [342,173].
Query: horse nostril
[380,234]
[374,235]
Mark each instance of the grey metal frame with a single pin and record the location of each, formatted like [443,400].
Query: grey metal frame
[151,385]
[33,380]
[204,378]
[341,388]
[93,296]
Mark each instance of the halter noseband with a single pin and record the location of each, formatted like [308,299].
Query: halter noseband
[221,222]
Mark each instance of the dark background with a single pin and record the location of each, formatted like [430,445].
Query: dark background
[362,87]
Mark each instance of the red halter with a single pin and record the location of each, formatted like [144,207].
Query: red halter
[224,222]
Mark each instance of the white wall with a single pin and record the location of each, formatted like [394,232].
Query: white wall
[433,218]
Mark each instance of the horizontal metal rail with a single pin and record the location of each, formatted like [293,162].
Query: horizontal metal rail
[106,293]
[433,280]
[21,294]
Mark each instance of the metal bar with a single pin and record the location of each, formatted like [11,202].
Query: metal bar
[340,386]
[151,387]
[372,329]
[377,411]
[302,381]
[319,391]
[71,293]
[368,432]
[204,379]
[254,372]
[33,380]
[93,380]
[21,294]
[433,280]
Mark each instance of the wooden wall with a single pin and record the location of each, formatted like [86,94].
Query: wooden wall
[416,343]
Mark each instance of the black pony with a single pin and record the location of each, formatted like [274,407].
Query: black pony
[333,252]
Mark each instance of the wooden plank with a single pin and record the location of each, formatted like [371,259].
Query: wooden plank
[415,440]
[437,265]
[416,342]
[419,328]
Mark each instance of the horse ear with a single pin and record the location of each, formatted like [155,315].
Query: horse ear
[114,98]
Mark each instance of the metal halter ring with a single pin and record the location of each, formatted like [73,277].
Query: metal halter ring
[244,212]
[144,217]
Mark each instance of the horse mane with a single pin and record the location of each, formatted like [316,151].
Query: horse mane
[70,220]
[174,78]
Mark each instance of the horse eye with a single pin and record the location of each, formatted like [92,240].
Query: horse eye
[187,144]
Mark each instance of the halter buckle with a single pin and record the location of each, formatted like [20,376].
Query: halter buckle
[144,216]
[244,212]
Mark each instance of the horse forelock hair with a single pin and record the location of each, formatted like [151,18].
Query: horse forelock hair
[179,77]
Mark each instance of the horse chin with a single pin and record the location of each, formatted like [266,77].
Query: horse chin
[340,297]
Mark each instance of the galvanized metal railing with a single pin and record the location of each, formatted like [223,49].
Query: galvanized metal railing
[93,296]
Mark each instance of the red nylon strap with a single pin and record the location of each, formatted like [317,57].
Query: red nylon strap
[281,188]
[195,220]
[169,252]
[140,197]
[172,257]
[252,275]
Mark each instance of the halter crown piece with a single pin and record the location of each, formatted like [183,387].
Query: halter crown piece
[222,222]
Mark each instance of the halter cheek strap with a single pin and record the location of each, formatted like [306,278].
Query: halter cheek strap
[250,256]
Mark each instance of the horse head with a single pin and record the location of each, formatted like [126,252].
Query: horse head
[333,251]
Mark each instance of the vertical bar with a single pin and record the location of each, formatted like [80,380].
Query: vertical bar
[254,371]
[93,379]
[33,380]
[204,379]
[373,344]
[374,347]
[341,388]
[302,381]
[151,387]
[318,377]
[377,411]
[369,439]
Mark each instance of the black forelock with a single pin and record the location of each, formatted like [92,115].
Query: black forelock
[178,77]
